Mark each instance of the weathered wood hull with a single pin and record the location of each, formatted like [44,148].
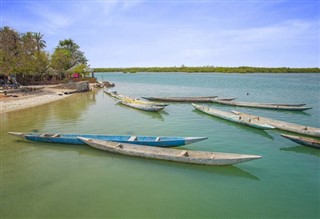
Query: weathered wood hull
[233,118]
[182,99]
[184,156]
[287,126]
[291,107]
[158,141]
[303,141]
[144,107]
[115,95]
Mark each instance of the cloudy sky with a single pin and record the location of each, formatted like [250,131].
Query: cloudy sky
[128,33]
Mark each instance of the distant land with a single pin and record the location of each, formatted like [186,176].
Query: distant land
[212,69]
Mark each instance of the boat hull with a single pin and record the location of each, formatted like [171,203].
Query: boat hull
[162,141]
[233,118]
[144,107]
[207,99]
[291,107]
[313,143]
[183,156]
[287,126]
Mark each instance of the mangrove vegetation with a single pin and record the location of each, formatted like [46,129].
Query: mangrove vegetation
[207,69]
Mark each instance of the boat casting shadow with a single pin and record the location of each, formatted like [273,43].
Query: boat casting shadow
[154,115]
[84,150]
[302,150]
[261,132]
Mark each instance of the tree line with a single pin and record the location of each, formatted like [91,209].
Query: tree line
[210,69]
[24,55]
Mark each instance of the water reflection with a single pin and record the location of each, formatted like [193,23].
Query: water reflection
[154,115]
[69,109]
[303,150]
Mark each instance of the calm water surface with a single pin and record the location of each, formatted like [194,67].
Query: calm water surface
[41,180]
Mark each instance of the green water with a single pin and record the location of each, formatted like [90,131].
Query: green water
[41,180]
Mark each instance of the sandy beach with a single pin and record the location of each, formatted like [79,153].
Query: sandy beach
[17,100]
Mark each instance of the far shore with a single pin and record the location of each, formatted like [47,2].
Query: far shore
[42,94]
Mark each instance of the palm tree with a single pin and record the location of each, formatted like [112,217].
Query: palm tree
[40,43]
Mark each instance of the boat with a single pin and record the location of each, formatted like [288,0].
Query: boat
[115,95]
[169,154]
[158,141]
[310,142]
[141,106]
[255,123]
[276,106]
[182,99]
[287,126]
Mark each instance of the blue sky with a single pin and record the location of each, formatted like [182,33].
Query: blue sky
[265,33]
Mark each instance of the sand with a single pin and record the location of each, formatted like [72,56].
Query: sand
[22,100]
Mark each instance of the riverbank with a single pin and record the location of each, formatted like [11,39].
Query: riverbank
[38,95]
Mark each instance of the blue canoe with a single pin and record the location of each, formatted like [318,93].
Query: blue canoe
[158,141]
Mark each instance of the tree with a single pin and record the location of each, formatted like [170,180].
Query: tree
[77,56]
[9,50]
[61,60]
[39,42]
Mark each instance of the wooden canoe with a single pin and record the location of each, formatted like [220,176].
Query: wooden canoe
[141,106]
[233,118]
[182,99]
[115,95]
[158,141]
[292,107]
[184,156]
[287,126]
[310,142]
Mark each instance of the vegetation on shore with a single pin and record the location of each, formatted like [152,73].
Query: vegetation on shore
[241,69]
[23,55]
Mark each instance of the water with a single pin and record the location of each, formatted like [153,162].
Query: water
[41,180]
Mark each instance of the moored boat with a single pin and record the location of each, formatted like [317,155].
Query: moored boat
[159,141]
[287,126]
[252,122]
[206,99]
[292,107]
[141,106]
[115,95]
[310,142]
[184,156]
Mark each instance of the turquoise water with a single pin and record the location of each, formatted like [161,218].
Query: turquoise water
[40,180]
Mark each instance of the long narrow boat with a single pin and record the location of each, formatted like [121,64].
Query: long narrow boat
[310,142]
[158,141]
[141,106]
[115,95]
[292,107]
[233,118]
[182,99]
[287,126]
[184,156]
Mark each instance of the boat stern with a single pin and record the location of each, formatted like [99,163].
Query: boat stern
[190,140]
[17,134]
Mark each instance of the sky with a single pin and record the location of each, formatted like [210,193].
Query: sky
[155,33]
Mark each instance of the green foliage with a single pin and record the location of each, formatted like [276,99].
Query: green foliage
[23,54]
[77,57]
[211,69]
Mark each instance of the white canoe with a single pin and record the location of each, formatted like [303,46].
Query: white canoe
[287,126]
[184,156]
[244,120]
[291,107]
[144,107]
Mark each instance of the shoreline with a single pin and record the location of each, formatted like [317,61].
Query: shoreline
[14,101]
